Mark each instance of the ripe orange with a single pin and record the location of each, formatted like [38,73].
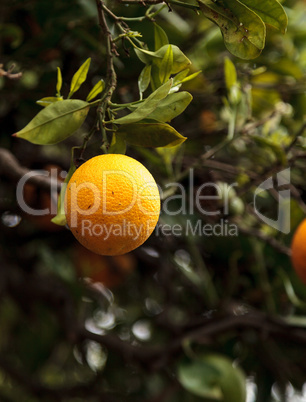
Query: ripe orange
[112,204]
[298,251]
[109,270]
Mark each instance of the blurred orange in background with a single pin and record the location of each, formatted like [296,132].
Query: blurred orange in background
[109,270]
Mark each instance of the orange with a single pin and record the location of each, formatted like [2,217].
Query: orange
[298,251]
[109,270]
[112,204]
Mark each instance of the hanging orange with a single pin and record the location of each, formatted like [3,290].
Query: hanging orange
[112,204]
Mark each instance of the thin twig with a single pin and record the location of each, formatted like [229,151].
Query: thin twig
[111,51]
[9,73]
[169,2]
[111,77]
[266,239]
[295,137]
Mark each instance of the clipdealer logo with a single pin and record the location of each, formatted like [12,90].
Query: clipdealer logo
[282,222]
[187,201]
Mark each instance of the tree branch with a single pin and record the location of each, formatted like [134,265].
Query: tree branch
[154,358]
[152,2]
[111,51]
[9,74]
[111,77]
[11,169]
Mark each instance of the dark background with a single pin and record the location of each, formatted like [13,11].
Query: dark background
[68,339]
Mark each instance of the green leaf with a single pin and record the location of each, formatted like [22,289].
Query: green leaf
[48,100]
[232,381]
[79,77]
[276,147]
[12,33]
[230,74]
[150,135]
[294,299]
[156,59]
[60,218]
[160,37]
[118,144]
[182,77]
[200,378]
[170,107]
[248,21]
[55,123]
[270,11]
[190,77]
[166,65]
[243,31]
[96,90]
[213,376]
[59,82]
[180,61]
[148,106]
[177,79]
[155,80]
[144,79]
[232,85]
[168,154]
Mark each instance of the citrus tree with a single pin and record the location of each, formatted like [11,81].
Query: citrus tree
[152,160]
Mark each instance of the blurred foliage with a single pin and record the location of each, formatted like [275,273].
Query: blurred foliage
[186,295]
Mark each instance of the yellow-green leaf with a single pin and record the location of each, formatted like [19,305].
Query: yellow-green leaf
[155,59]
[55,122]
[118,144]
[60,218]
[96,90]
[166,64]
[144,79]
[148,105]
[150,135]
[190,77]
[177,79]
[180,61]
[170,107]
[79,77]
[160,37]
[59,82]
[44,102]
[232,85]
[230,74]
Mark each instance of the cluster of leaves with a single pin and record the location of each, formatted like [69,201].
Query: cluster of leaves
[145,125]
[243,28]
